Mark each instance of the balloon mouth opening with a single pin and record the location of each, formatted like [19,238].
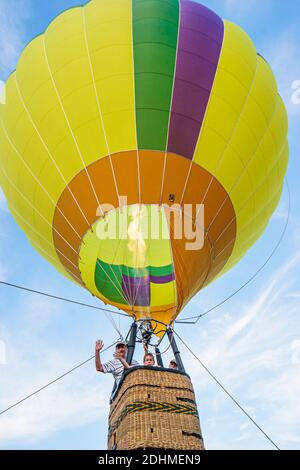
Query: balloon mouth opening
[126,260]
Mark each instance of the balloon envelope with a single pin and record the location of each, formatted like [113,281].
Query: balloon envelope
[123,111]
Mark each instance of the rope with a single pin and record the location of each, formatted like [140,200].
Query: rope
[64,299]
[52,382]
[106,311]
[228,393]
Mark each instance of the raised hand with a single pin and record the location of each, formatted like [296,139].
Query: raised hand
[99,345]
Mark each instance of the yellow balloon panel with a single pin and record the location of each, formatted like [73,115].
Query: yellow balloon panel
[37,241]
[32,58]
[87,263]
[163,295]
[263,211]
[254,234]
[279,125]
[108,12]
[19,134]
[9,159]
[238,54]
[64,42]
[283,162]
[237,91]
[264,89]
[111,52]
[13,109]
[72,78]
[243,133]
[236,141]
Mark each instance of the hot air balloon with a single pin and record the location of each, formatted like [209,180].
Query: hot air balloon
[123,110]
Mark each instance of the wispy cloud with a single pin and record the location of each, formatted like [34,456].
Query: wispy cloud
[34,359]
[282,51]
[63,406]
[244,9]
[253,349]
[280,46]
[13,14]
[294,295]
[257,356]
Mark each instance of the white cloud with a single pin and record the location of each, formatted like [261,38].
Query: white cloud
[2,352]
[282,210]
[61,406]
[257,357]
[244,9]
[282,52]
[294,295]
[281,49]
[33,358]
[13,15]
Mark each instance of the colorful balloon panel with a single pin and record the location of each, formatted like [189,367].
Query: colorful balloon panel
[160,101]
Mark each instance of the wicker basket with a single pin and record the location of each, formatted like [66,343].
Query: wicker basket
[154,409]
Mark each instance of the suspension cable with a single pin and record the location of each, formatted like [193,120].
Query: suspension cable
[53,381]
[108,313]
[227,392]
[64,299]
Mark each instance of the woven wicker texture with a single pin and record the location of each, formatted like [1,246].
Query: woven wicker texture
[154,408]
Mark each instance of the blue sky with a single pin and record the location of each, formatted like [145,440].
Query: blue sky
[252,343]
